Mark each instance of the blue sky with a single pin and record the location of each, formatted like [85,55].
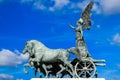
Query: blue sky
[47,21]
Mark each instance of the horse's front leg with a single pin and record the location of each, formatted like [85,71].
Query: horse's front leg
[24,68]
[31,64]
[38,69]
[32,59]
[35,60]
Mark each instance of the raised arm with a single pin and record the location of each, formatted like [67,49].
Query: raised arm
[72,26]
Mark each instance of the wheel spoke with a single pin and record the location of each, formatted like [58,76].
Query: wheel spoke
[84,64]
[85,74]
[81,73]
[81,65]
[89,65]
[90,69]
[88,73]
[85,69]
[79,69]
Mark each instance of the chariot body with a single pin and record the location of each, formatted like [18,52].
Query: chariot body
[55,62]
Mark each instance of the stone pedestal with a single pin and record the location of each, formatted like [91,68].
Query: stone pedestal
[67,79]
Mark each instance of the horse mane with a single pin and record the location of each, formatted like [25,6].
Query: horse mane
[38,43]
[41,45]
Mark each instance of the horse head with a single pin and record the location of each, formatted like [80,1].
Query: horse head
[29,47]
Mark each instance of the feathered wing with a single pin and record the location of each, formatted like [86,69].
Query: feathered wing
[86,14]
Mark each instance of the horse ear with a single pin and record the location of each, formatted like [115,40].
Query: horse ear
[26,43]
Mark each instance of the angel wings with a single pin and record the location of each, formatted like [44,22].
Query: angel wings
[85,16]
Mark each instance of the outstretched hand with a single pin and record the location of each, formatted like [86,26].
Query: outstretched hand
[72,26]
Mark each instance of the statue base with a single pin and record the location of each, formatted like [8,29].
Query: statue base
[67,79]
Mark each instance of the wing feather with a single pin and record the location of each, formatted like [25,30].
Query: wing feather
[86,14]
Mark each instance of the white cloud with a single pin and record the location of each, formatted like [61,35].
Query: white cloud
[39,5]
[110,6]
[9,58]
[116,39]
[60,3]
[83,4]
[36,4]
[116,77]
[6,77]
[97,8]
[100,6]
[51,9]
[19,79]
[24,1]
[118,66]
[109,74]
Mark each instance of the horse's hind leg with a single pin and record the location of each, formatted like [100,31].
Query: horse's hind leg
[62,69]
[70,66]
[45,69]
[36,73]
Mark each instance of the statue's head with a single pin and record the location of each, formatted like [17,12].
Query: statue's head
[80,21]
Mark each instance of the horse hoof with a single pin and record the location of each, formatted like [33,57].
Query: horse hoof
[26,72]
[37,77]
[32,68]
[57,76]
[46,76]
[38,63]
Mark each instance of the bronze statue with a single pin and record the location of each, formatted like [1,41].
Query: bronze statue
[56,62]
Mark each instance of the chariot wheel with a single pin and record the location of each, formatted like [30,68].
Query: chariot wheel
[85,69]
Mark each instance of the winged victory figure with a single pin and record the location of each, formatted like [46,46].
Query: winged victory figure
[82,24]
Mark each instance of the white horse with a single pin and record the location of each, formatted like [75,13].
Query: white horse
[41,54]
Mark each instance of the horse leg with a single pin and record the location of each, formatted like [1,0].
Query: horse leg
[61,70]
[26,65]
[38,69]
[31,64]
[70,66]
[36,73]
[45,69]
[69,73]
[66,72]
